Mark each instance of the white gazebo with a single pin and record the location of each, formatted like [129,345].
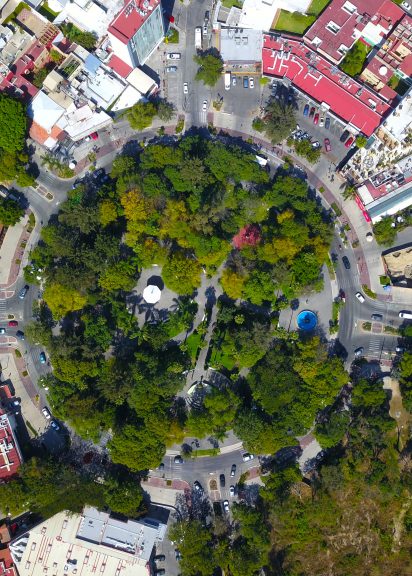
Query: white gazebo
[151,294]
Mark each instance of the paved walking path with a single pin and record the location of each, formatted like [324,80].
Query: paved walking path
[12,253]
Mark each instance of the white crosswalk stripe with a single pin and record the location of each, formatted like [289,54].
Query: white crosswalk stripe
[3,307]
[375,347]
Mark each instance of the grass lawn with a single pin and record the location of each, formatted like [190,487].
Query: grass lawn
[219,358]
[230,3]
[293,22]
[173,36]
[193,343]
[47,12]
[317,6]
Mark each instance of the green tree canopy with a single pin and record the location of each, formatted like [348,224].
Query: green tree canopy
[141,115]
[210,68]
[13,124]
[10,212]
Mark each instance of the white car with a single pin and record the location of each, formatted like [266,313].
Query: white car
[246,457]
[54,425]
[46,413]
[232,491]
[322,121]
[174,56]
[185,88]
[204,107]
[251,83]
[205,30]
[226,505]
[234,81]
[360,297]
[406,5]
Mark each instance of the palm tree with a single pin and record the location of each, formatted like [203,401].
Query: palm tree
[350,192]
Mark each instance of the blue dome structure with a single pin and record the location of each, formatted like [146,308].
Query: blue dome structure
[307,320]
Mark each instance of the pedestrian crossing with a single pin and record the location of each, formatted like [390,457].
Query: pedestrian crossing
[3,308]
[203,117]
[375,347]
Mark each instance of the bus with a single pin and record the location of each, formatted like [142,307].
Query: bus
[198,38]
[227,80]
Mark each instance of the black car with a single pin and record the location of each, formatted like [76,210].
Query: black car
[198,487]
[377,317]
[178,460]
[222,480]
[233,470]
[161,466]
[346,262]
[159,558]
[23,292]
[160,572]
[344,136]
[20,335]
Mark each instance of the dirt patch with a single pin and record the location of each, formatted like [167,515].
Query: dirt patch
[397,411]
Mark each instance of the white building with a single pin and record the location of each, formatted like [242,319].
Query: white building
[260,14]
[89,544]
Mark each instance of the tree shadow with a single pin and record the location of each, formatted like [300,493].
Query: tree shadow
[156,280]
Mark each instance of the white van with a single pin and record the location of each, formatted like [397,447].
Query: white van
[407,315]
[227,80]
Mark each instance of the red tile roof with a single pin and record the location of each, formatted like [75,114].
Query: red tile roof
[10,458]
[119,66]
[40,135]
[130,18]
[6,563]
[383,12]
[318,78]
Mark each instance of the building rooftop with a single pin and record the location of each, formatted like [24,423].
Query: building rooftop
[91,543]
[259,14]
[10,456]
[344,21]
[398,124]
[237,44]
[130,18]
[322,81]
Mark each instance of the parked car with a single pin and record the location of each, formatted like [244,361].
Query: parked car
[316,118]
[222,480]
[20,335]
[232,491]
[171,68]
[315,145]
[377,317]
[344,136]
[161,466]
[178,460]
[13,323]
[178,554]
[246,457]
[23,292]
[346,262]
[159,558]
[205,30]
[342,295]
[94,136]
[234,81]
[406,5]
[245,82]
[358,352]
[160,572]
[204,107]
[207,16]
[306,110]
[226,505]
[198,487]
[327,123]
[185,88]
[54,425]
[322,121]
[174,56]
[360,297]
[42,358]
[233,470]
[349,142]
[2,330]
[399,349]
[46,413]
[407,315]
[312,112]
[328,147]
[251,83]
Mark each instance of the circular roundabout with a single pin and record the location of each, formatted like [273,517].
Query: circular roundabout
[307,320]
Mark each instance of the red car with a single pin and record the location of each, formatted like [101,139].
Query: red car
[316,119]
[328,147]
[94,136]
[349,142]
[13,323]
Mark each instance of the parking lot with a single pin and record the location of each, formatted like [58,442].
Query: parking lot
[317,132]
[244,102]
